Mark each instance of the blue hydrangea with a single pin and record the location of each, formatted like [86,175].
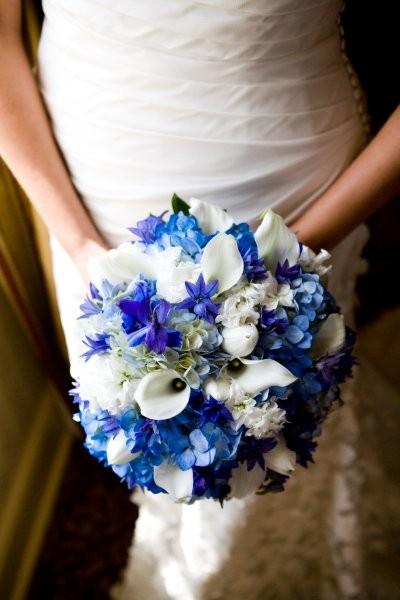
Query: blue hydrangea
[308,294]
[183,231]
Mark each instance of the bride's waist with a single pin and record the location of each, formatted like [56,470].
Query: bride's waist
[175,98]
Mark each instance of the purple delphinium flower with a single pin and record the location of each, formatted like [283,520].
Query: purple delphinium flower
[91,305]
[285,273]
[252,451]
[110,424]
[144,290]
[97,345]
[146,230]
[338,367]
[254,267]
[152,319]
[199,298]
[275,320]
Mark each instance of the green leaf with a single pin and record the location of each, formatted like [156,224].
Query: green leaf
[179,205]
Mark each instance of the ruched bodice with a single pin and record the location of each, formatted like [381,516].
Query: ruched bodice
[245,103]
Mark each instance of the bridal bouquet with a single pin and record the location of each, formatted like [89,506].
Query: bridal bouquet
[212,354]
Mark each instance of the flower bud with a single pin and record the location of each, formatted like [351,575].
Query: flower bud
[241,340]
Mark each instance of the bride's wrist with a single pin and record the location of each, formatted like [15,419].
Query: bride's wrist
[84,251]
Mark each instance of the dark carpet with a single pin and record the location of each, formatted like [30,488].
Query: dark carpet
[91,530]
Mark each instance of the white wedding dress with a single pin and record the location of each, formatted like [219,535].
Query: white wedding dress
[248,104]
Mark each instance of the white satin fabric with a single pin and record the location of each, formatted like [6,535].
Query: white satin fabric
[248,104]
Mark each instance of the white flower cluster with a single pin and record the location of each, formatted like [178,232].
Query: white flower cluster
[264,421]
[314,263]
[242,305]
[261,421]
[240,312]
[108,382]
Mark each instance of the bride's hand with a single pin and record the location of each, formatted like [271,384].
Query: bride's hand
[86,251]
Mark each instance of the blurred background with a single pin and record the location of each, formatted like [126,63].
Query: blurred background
[58,507]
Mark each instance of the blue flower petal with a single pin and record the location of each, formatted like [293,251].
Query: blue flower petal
[198,441]
[186,459]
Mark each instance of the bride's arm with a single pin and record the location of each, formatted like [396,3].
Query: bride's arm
[28,147]
[372,179]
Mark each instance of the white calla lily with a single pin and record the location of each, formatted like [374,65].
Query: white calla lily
[174,481]
[117,452]
[241,340]
[243,483]
[121,264]
[281,459]
[275,241]
[255,376]
[330,337]
[162,394]
[221,260]
[211,218]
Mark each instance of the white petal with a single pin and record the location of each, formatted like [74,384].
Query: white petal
[257,375]
[157,397]
[174,481]
[217,388]
[221,260]
[211,218]
[241,340]
[117,452]
[330,337]
[281,459]
[171,280]
[314,263]
[121,264]
[243,482]
[275,241]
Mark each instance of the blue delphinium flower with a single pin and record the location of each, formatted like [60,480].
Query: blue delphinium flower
[199,299]
[143,435]
[148,229]
[254,265]
[138,472]
[110,424]
[209,483]
[214,411]
[274,320]
[97,344]
[273,324]
[92,304]
[151,319]
[144,289]
[96,437]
